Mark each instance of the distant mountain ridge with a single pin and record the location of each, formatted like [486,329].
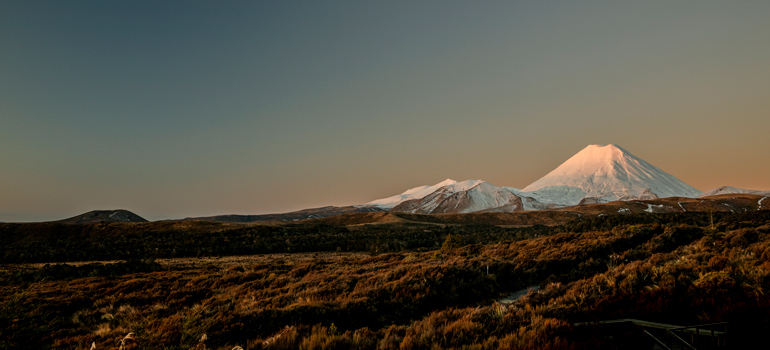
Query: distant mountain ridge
[313,213]
[596,174]
[732,190]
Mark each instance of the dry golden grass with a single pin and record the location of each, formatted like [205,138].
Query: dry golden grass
[408,300]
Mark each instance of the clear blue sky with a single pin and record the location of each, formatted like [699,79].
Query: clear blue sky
[184,108]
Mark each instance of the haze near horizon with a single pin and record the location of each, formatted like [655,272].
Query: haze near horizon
[179,109]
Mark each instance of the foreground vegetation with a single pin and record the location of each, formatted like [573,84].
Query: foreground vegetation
[397,294]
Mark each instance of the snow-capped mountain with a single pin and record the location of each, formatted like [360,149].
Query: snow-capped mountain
[463,197]
[412,193]
[596,174]
[732,190]
[605,173]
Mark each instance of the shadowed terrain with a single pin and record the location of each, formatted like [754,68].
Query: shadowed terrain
[388,280]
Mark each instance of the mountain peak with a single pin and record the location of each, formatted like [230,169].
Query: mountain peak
[463,185]
[606,173]
[601,154]
[609,146]
[446,182]
[463,197]
[412,193]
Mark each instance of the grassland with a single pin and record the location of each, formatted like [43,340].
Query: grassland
[411,283]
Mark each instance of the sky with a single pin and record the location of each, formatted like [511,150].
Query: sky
[176,109]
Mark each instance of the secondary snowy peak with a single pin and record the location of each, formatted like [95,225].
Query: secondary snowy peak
[601,173]
[412,193]
[463,185]
[733,190]
[463,197]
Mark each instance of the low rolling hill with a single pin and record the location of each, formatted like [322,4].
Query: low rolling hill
[104,216]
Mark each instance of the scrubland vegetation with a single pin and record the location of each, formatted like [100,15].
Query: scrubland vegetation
[385,286]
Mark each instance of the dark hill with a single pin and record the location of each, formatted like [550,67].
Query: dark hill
[104,216]
[734,203]
[521,218]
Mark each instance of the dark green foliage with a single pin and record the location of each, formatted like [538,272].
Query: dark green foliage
[451,243]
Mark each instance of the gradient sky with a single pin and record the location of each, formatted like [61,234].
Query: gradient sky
[173,109]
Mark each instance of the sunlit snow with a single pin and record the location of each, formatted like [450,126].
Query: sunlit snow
[597,173]
[466,197]
[412,193]
[606,173]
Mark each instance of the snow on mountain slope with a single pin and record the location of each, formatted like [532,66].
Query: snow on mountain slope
[733,190]
[602,174]
[529,203]
[463,197]
[463,185]
[412,193]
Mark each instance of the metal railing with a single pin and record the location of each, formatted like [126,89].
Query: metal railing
[669,336]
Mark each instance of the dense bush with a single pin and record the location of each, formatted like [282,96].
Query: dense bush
[71,242]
